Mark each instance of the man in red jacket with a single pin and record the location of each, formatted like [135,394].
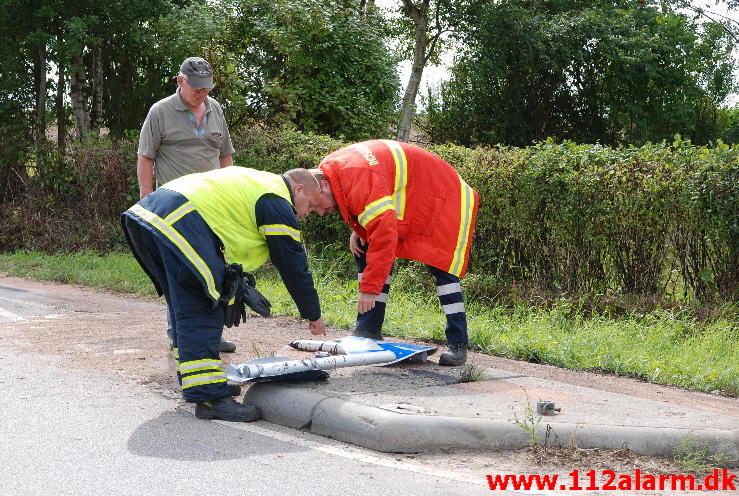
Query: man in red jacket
[402,202]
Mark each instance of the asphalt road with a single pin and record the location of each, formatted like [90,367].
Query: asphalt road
[66,431]
[90,406]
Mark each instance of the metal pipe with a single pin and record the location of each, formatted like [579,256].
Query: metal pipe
[314,345]
[249,370]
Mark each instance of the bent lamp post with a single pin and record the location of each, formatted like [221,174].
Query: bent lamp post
[350,351]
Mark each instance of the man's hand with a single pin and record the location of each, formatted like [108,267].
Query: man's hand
[317,327]
[366,302]
[356,244]
[226,161]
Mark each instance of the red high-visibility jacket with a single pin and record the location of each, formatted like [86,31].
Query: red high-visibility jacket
[406,202]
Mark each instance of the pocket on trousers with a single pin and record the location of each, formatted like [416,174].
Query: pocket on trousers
[187,279]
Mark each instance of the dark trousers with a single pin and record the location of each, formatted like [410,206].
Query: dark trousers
[450,297]
[196,324]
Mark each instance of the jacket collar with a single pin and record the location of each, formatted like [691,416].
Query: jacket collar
[329,170]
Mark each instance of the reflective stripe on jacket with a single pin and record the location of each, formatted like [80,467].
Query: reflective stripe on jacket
[226,199]
[202,217]
[406,202]
[178,227]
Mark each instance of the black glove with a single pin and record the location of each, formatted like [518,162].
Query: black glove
[234,313]
[252,297]
[241,288]
[231,278]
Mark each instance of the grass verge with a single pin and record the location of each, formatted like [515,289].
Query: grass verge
[663,347]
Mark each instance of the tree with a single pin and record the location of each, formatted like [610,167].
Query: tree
[716,81]
[586,70]
[111,65]
[321,65]
[23,87]
[429,22]
[710,11]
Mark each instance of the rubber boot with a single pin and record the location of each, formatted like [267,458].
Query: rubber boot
[227,409]
[455,355]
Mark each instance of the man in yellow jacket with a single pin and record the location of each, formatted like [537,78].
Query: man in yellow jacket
[194,236]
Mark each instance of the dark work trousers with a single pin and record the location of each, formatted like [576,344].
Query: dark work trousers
[450,296]
[196,324]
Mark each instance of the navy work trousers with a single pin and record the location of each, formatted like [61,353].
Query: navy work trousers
[196,324]
[450,297]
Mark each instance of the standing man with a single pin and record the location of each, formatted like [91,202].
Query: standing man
[193,237]
[184,133]
[402,202]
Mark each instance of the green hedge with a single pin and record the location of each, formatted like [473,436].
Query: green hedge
[662,219]
[72,203]
[578,219]
[589,219]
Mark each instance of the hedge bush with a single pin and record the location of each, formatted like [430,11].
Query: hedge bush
[589,219]
[73,203]
[563,218]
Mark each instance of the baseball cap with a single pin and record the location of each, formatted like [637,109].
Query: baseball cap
[198,72]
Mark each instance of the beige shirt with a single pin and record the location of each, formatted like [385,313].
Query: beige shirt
[170,137]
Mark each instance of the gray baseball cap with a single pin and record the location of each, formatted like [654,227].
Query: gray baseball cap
[198,72]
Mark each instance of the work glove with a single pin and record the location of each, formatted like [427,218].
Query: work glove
[234,313]
[252,297]
[241,287]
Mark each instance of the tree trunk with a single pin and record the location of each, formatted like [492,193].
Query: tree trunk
[61,118]
[40,71]
[78,97]
[97,86]
[420,18]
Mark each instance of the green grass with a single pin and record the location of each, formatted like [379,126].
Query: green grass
[662,346]
[115,271]
[695,457]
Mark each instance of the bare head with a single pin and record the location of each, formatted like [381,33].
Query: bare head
[311,191]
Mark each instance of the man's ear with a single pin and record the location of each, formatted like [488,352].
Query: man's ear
[326,185]
[297,189]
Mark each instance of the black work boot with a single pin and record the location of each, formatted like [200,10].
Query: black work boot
[234,389]
[226,346]
[367,334]
[227,409]
[455,355]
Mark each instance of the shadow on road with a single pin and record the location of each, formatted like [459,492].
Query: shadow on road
[177,435]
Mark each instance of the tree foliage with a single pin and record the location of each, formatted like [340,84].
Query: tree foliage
[322,65]
[586,70]
[319,65]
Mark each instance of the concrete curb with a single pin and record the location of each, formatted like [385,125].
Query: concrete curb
[392,432]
